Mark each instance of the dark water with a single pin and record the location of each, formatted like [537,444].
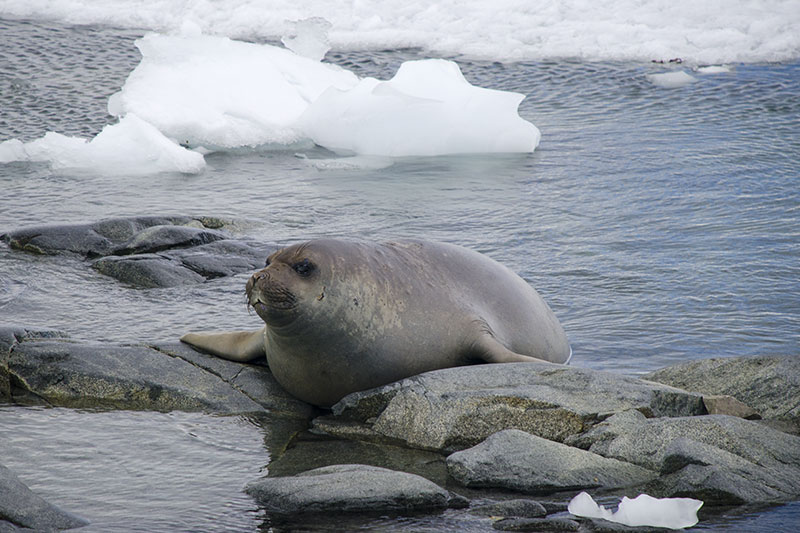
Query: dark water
[659,224]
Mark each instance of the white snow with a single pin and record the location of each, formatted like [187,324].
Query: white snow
[131,146]
[701,33]
[644,510]
[671,80]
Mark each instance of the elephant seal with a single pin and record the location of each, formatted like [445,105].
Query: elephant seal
[345,316]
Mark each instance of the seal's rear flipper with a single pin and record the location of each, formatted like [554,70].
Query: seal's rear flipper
[241,346]
[491,350]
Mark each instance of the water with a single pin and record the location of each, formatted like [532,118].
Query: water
[659,224]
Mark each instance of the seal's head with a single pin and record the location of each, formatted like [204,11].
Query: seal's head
[291,277]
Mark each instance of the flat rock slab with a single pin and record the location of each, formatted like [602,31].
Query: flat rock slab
[349,488]
[23,508]
[513,459]
[456,408]
[767,384]
[719,459]
[72,374]
[149,252]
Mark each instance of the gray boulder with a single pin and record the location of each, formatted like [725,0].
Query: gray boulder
[516,460]
[719,459]
[516,508]
[90,240]
[149,252]
[455,408]
[72,374]
[23,508]
[347,488]
[763,383]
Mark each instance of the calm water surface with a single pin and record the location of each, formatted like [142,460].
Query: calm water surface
[659,224]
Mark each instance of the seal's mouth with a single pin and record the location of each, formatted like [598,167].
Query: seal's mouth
[268,297]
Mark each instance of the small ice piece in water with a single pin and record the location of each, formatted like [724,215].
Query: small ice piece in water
[671,80]
[428,108]
[309,38]
[714,69]
[132,146]
[644,510]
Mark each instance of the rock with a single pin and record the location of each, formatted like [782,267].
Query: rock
[762,383]
[22,507]
[76,374]
[719,459]
[89,240]
[348,488]
[147,271]
[537,524]
[728,405]
[516,460]
[10,336]
[159,238]
[455,408]
[149,252]
[516,508]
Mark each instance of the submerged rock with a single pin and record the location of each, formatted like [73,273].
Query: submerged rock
[456,408]
[516,460]
[762,383]
[512,508]
[349,488]
[21,507]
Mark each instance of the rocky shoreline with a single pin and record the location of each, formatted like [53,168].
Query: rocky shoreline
[510,441]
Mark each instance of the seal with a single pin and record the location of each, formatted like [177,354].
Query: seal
[345,316]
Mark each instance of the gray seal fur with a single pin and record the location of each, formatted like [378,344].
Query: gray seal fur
[345,316]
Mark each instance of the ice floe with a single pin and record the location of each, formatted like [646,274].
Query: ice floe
[644,510]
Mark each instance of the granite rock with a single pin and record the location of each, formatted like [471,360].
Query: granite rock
[21,507]
[516,460]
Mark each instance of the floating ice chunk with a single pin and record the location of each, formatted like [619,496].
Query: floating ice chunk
[131,146]
[714,69]
[309,38]
[428,108]
[220,93]
[644,510]
[671,80]
[356,162]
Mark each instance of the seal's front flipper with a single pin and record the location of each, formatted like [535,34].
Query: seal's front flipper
[489,349]
[241,346]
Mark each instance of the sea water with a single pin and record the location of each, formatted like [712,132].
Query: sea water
[658,216]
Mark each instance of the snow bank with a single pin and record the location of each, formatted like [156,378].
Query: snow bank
[702,33]
[131,146]
[644,510]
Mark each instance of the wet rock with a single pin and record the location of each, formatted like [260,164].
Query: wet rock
[455,408]
[762,383]
[159,238]
[537,524]
[147,271]
[10,336]
[512,508]
[719,459]
[516,460]
[76,374]
[149,252]
[348,488]
[90,240]
[21,507]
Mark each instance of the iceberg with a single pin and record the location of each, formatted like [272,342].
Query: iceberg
[131,146]
[428,108]
[644,510]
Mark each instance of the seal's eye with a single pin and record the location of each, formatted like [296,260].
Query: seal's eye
[304,267]
[267,263]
